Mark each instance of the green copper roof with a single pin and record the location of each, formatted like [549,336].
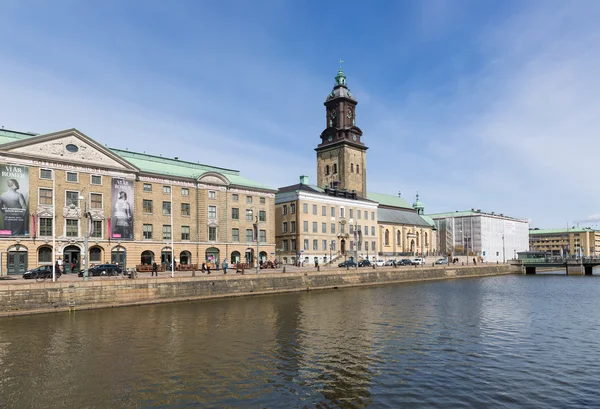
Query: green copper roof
[7,136]
[454,214]
[429,220]
[388,200]
[176,167]
[534,232]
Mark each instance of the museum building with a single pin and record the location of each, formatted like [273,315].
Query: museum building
[134,208]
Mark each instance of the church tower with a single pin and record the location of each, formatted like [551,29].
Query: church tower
[341,155]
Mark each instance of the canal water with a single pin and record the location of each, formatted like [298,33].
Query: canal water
[499,342]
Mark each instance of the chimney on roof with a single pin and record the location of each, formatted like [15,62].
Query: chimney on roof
[176,157]
[304,180]
[478,210]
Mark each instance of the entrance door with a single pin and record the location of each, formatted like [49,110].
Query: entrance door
[117,256]
[17,262]
[71,254]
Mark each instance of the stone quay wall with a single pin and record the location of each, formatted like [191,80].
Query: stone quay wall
[32,298]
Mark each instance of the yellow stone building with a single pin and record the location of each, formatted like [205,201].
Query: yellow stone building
[139,208]
[575,241]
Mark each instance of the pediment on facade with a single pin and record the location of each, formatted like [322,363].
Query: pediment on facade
[213,178]
[71,146]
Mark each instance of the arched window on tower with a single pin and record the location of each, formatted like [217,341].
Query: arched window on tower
[334,168]
[327,169]
[352,167]
[357,169]
[387,237]
[398,238]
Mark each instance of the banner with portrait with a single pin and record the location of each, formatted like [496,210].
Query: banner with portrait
[14,201]
[121,226]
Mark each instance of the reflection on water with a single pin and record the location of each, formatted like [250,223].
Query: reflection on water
[511,341]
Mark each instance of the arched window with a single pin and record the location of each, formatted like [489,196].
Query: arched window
[417,233]
[425,238]
[387,237]
[95,254]
[327,169]
[352,167]
[398,238]
[357,169]
[147,257]
[45,255]
[334,168]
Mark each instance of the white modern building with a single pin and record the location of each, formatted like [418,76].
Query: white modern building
[493,237]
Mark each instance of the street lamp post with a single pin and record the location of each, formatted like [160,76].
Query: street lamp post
[503,251]
[86,244]
[257,243]
[356,238]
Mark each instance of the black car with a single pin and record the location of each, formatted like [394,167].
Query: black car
[364,263]
[103,270]
[348,263]
[404,262]
[40,272]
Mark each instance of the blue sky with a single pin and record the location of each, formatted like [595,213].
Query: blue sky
[474,104]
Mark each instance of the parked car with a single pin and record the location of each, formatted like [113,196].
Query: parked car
[441,261]
[364,263]
[379,263]
[40,272]
[348,263]
[389,262]
[404,262]
[417,261]
[103,269]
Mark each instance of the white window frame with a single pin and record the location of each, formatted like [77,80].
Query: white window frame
[144,187]
[212,194]
[71,181]
[51,174]
[92,180]
[185,191]
[39,196]
[166,190]
[101,230]
[78,227]
[216,216]
[101,200]
[78,194]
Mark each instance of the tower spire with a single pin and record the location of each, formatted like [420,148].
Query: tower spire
[340,78]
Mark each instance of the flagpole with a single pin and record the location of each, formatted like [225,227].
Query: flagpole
[54,225]
[172,237]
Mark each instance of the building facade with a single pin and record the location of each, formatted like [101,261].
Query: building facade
[474,233]
[134,208]
[575,241]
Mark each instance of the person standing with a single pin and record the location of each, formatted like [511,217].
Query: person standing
[154,269]
[225,266]
[204,267]
[57,268]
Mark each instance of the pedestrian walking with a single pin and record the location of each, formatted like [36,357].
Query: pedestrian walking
[154,269]
[57,267]
[208,268]
[204,267]
[225,265]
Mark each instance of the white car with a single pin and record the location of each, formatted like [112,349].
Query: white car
[418,261]
[379,263]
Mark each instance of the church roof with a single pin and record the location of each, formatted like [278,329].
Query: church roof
[400,216]
[389,200]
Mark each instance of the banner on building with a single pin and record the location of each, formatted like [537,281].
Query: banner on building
[122,209]
[14,200]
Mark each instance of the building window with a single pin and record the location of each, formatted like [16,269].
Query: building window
[358,214]
[235,235]
[285,245]
[372,215]
[212,234]
[314,209]
[323,227]
[167,190]
[305,244]
[248,215]
[342,228]
[351,213]
[45,255]
[166,208]
[147,228]
[185,232]
[45,226]
[166,232]
[185,191]
[293,208]
[315,245]
[72,229]
[95,200]
[262,235]
[235,197]
[96,228]
[262,216]
[357,169]
[351,229]
[284,227]
[332,211]
[45,196]
[332,228]
[71,198]
[366,215]
[366,230]
[387,237]
[373,232]
[305,226]
[284,210]
[45,174]
[373,246]
[185,209]
[305,208]
[360,246]
[212,194]
[249,199]
[212,212]
[72,177]
[147,206]
[333,245]
[249,236]
[314,226]
[334,168]
[147,187]
[96,180]
[293,242]
[262,200]
[341,212]
[327,169]
[235,213]
[95,255]
[324,245]
[293,227]
[323,210]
